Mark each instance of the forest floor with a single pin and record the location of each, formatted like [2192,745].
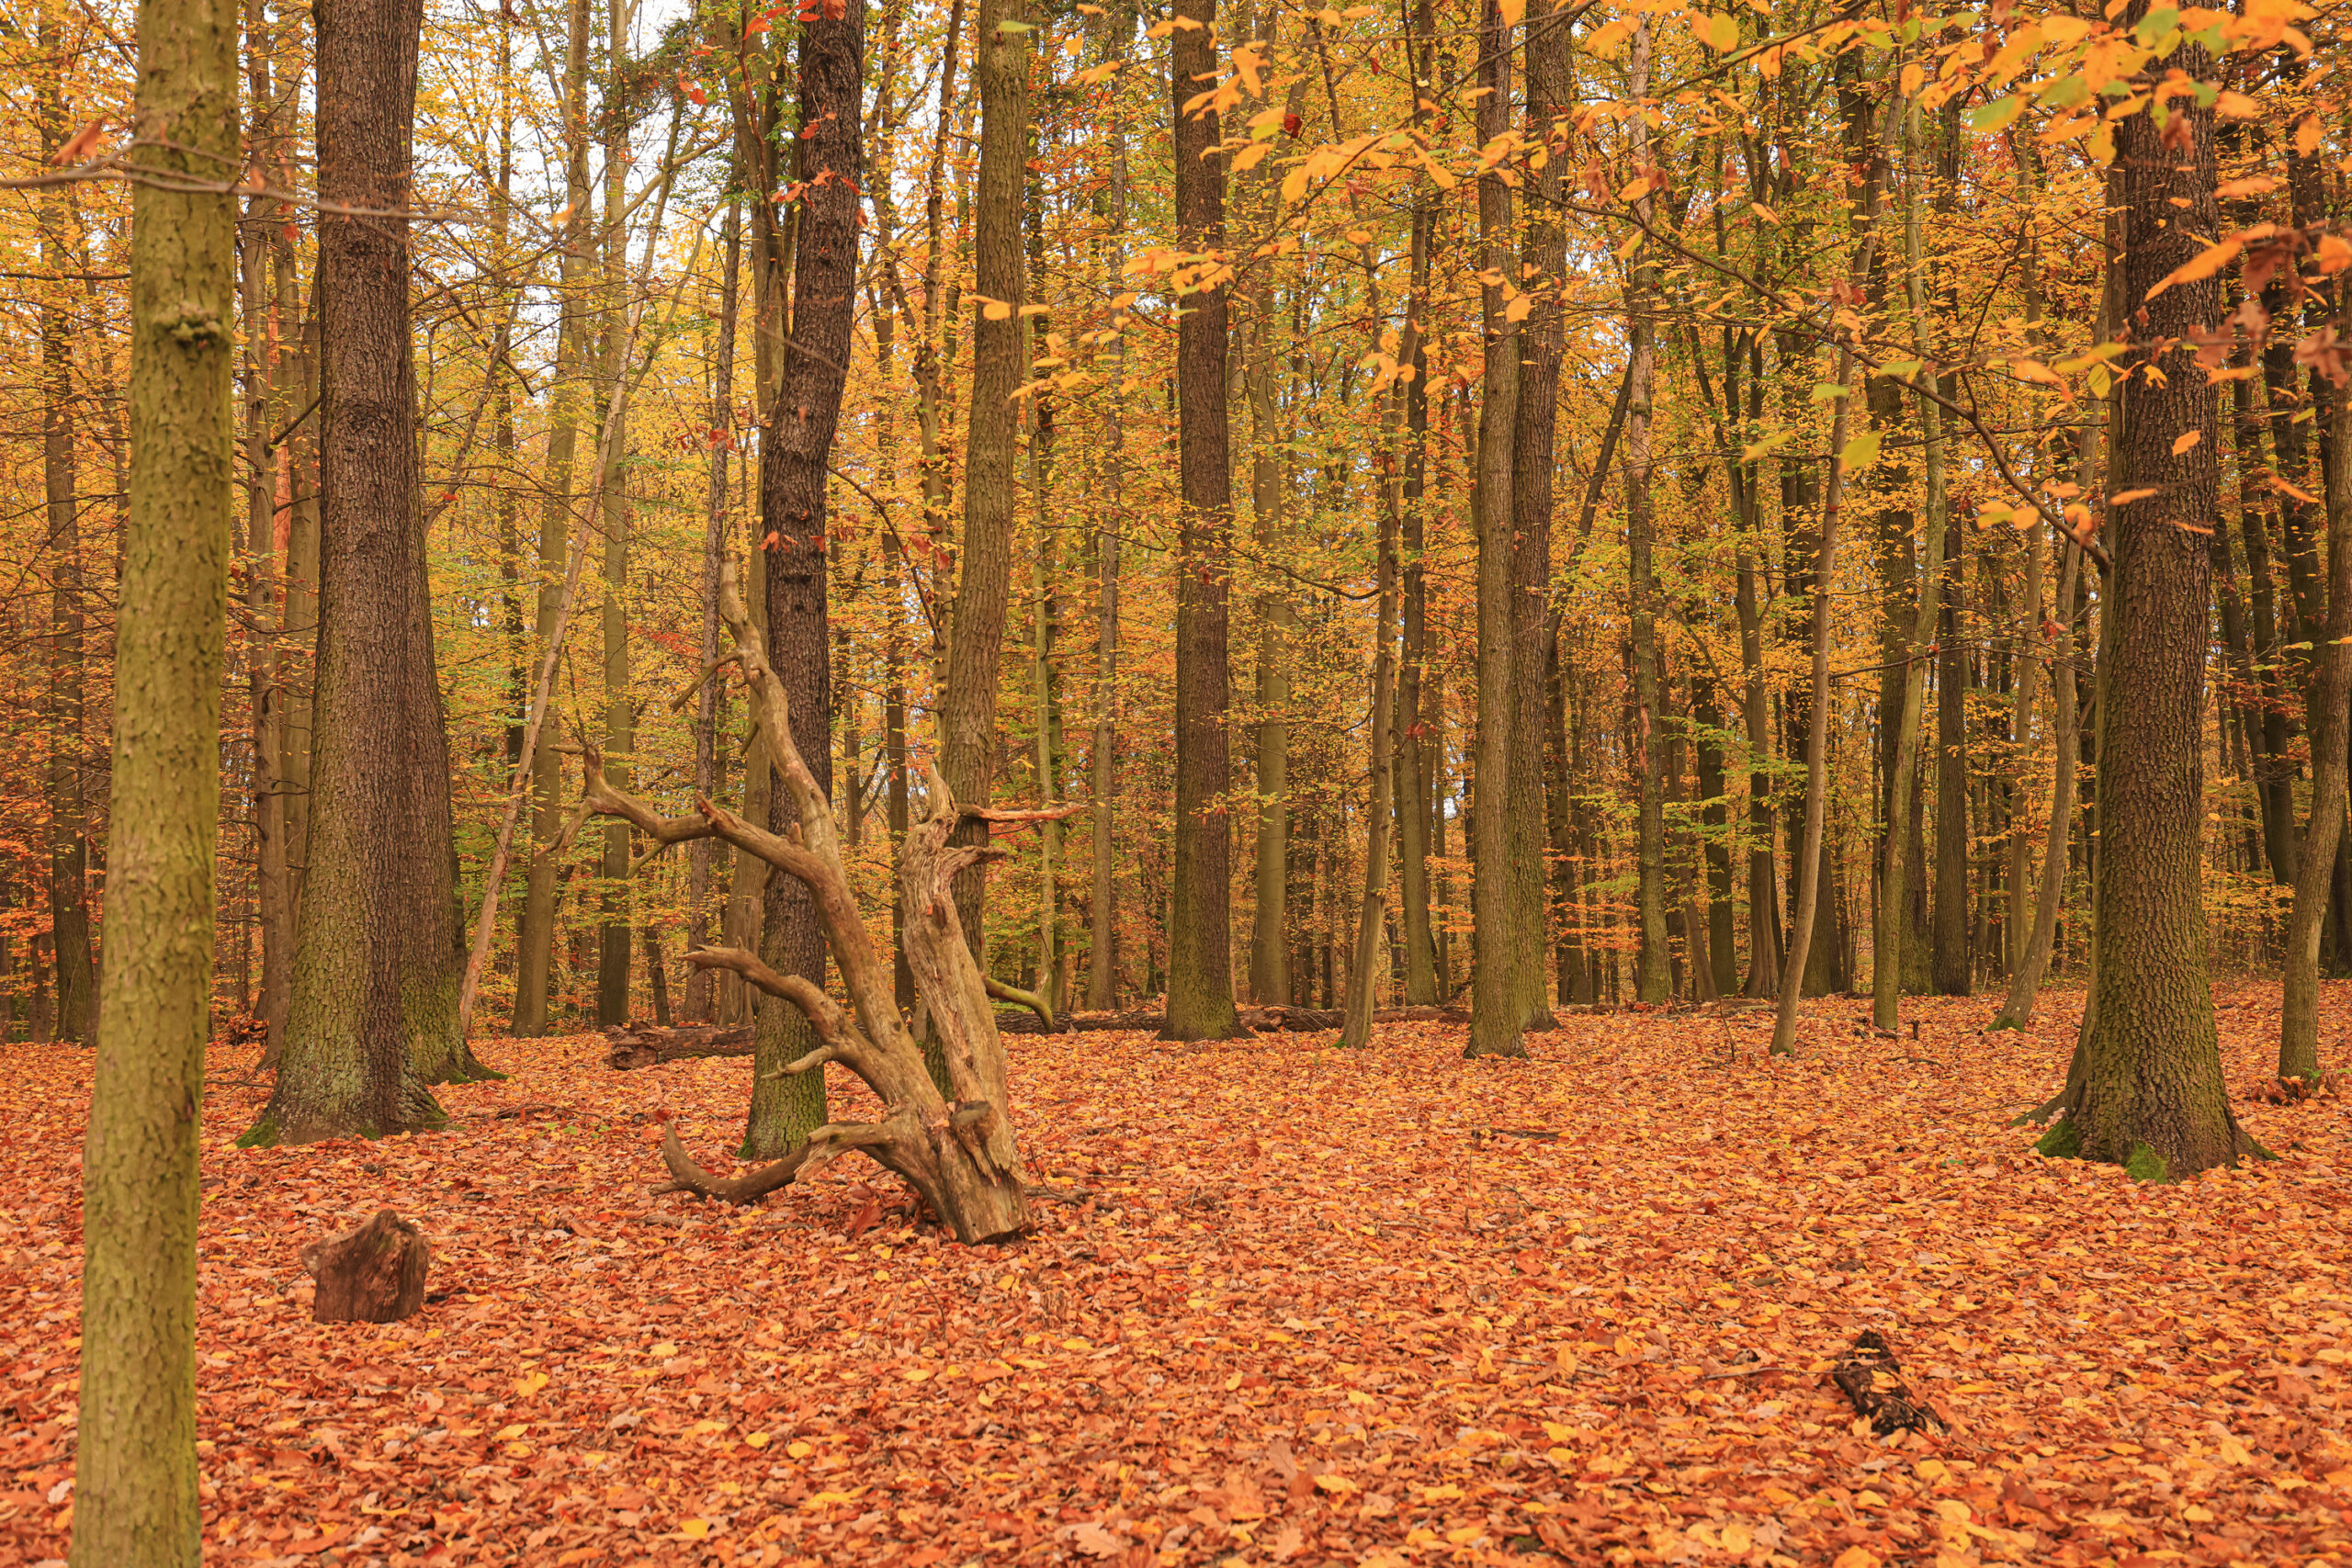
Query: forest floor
[1306,1308]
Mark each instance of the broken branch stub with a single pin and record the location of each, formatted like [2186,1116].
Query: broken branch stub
[961,1155]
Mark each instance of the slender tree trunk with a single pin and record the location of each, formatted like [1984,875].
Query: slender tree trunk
[717,531]
[1101,972]
[1651,981]
[135,1502]
[1200,966]
[2331,686]
[2150,1096]
[535,936]
[69,844]
[796,446]
[1413,743]
[1543,341]
[1953,972]
[2033,961]
[1496,1016]
[620,726]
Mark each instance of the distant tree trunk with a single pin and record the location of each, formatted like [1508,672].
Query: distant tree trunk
[1101,969]
[716,536]
[69,844]
[535,934]
[266,363]
[1543,336]
[620,717]
[967,720]
[1413,744]
[373,1019]
[2331,686]
[1643,745]
[1707,721]
[1497,1017]
[2151,1095]
[1756,716]
[1954,971]
[135,1502]
[1200,966]
[796,448]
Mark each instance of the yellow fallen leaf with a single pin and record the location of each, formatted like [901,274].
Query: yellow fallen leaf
[1736,1539]
[756,1439]
[1336,1482]
[508,1434]
[530,1384]
[695,1529]
[663,1351]
[799,1449]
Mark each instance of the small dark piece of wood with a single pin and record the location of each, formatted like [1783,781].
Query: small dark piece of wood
[1871,1379]
[373,1274]
[645,1045]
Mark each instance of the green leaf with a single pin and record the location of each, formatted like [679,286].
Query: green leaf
[1986,118]
[1830,390]
[1723,33]
[1013,27]
[1859,453]
[2064,92]
[2155,24]
[1905,367]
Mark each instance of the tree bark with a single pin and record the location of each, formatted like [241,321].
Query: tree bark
[1496,1019]
[1200,966]
[2025,976]
[716,532]
[796,453]
[374,1014]
[2151,1097]
[1101,967]
[614,936]
[135,1502]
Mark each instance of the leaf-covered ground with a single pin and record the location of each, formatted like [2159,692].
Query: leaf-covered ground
[1304,1307]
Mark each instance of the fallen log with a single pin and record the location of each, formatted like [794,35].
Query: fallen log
[644,1044]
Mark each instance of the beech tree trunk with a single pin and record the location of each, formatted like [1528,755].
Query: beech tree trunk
[135,1502]
[2151,1095]
[620,717]
[1200,936]
[796,453]
[374,1013]
[1496,1019]
[717,534]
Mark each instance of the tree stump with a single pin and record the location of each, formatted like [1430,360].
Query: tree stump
[373,1274]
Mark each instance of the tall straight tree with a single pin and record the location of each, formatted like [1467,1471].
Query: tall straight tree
[1411,792]
[1200,934]
[374,1011]
[1543,338]
[535,935]
[1653,978]
[1497,1018]
[2150,1095]
[796,455]
[976,628]
[621,714]
[135,1502]
[69,829]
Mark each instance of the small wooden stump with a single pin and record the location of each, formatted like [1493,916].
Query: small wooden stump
[373,1274]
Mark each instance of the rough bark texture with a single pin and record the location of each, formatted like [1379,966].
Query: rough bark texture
[612,485]
[1543,341]
[717,517]
[372,1274]
[1948,948]
[795,452]
[2152,1097]
[1496,1019]
[2025,976]
[135,1502]
[1200,963]
[373,1017]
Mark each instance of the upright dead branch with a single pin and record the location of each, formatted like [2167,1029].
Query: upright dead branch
[959,1155]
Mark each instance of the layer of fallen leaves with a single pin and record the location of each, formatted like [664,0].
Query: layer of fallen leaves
[1295,1306]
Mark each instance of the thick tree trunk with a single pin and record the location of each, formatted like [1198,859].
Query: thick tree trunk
[374,1014]
[1200,966]
[1497,1018]
[796,453]
[135,1502]
[2152,1096]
